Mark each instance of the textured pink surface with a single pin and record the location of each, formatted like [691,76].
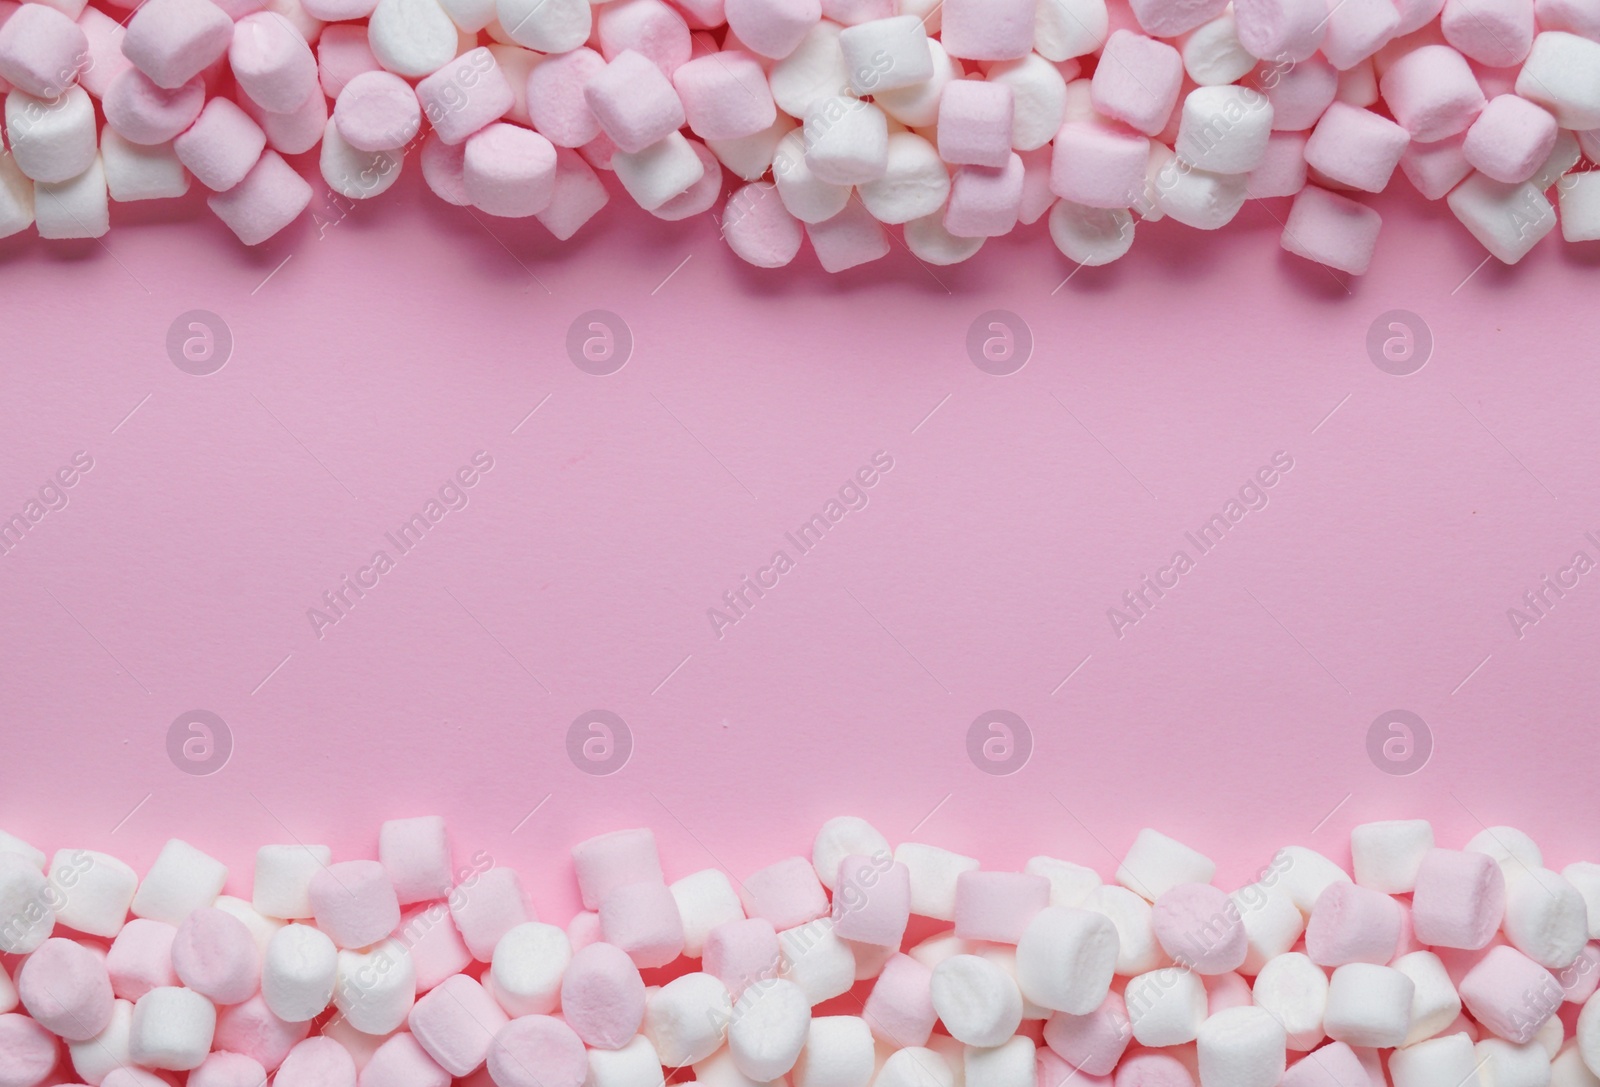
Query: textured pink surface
[383,355]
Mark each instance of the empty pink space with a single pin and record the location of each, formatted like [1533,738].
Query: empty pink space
[405,381]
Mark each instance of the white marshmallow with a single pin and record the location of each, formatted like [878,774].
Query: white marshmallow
[135,172]
[847,140]
[1304,874]
[886,54]
[171,1029]
[870,958]
[1066,959]
[750,157]
[634,1065]
[1212,54]
[1090,236]
[771,1023]
[376,987]
[934,871]
[1241,1047]
[1568,1069]
[1200,199]
[1546,917]
[1585,875]
[76,208]
[1224,129]
[816,69]
[10,843]
[1155,863]
[1386,856]
[16,198]
[1508,846]
[298,973]
[687,1018]
[1272,923]
[1434,1001]
[812,200]
[52,140]
[26,900]
[917,106]
[550,26]
[283,879]
[1507,220]
[1070,883]
[1368,1005]
[527,968]
[1038,97]
[659,172]
[359,175]
[844,836]
[920,1066]
[182,880]
[931,243]
[93,891]
[1007,1065]
[1562,74]
[1138,951]
[1294,989]
[107,1051]
[915,181]
[839,1052]
[1506,1064]
[816,959]
[1165,1006]
[977,1001]
[411,38]
[1447,1059]
[1579,196]
[1063,29]
[705,900]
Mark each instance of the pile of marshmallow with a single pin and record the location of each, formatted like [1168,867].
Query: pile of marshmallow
[954,120]
[861,966]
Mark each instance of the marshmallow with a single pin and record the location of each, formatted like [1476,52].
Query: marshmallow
[1433,170]
[251,1028]
[1281,31]
[1507,1065]
[634,102]
[1212,53]
[272,62]
[1066,957]
[1152,1068]
[1580,222]
[1356,147]
[1508,220]
[900,1005]
[872,896]
[1137,948]
[1300,94]
[1137,83]
[455,1024]
[1165,1006]
[576,198]
[850,238]
[487,907]
[508,170]
[771,28]
[402,1062]
[1510,994]
[651,27]
[537,1051]
[1357,29]
[353,901]
[228,1070]
[1432,92]
[1546,917]
[411,38]
[917,1066]
[1511,139]
[1240,1047]
[1069,883]
[1098,166]
[1295,990]
[93,890]
[1386,856]
[1349,923]
[41,50]
[458,99]
[1064,29]
[378,111]
[172,41]
[298,973]
[317,1062]
[375,988]
[1092,1043]
[1200,928]
[1170,18]
[550,26]
[992,30]
[883,55]
[1007,1065]
[182,879]
[816,68]
[771,1024]
[634,1065]
[624,856]
[1446,1059]
[787,893]
[1038,92]
[1335,1065]
[283,874]
[998,906]
[66,989]
[815,958]
[725,96]
[602,996]
[221,146]
[271,196]
[1495,33]
[1339,232]
[1224,129]
[1272,922]
[933,871]
[214,954]
[1368,1005]
[527,968]
[838,1053]
[846,141]
[95,1059]
[1562,74]
[171,1029]
[758,228]
[659,172]
[27,1051]
[977,1001]
[918,104]
[687,1018]
[52,140]
[1434,1002]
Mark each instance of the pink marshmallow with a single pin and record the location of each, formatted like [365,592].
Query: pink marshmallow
[649,27]
[1200,927]
[455,1024]
[1495,33]
[871,902]
[787,893]
[66,988]
[1459,900]
[856,12]
[354,903]
[995,906]
[642,918]
[140,958]
[1280,31]
[272,62]
[401,1062]
[987,29]
[221,146]
[1300,94]
[215,955]
[1356,147]
[143,113]
[1334,1065]
[634,103]
[437,950]
[698,198]
[1510,994]
[1098,165]
[984,203]
[228,1070]
[1137,81]
[442,167]
[172,41]
[491,906]
[611,860]
[602,996]
[740,952]
[583,929]
[772,28]
[560,111]
[975,122]
[1436,168]
[1357,29]
[1349,923]
[1333,230]
[725,95]
[1511,139]
[1152,1068]
[342,54]
[106,61]
[1432,92]
[465,95]
[1169,18]
[1093,1043]
[900,1007]
[27,1051]
[317,1062]
[538,1051]
[1224,991]
[251,1028]
[576,197]
[378,111]
[296,132]
[1283,169]
[41,50]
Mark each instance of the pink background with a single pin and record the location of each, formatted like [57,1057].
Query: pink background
[385,353]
